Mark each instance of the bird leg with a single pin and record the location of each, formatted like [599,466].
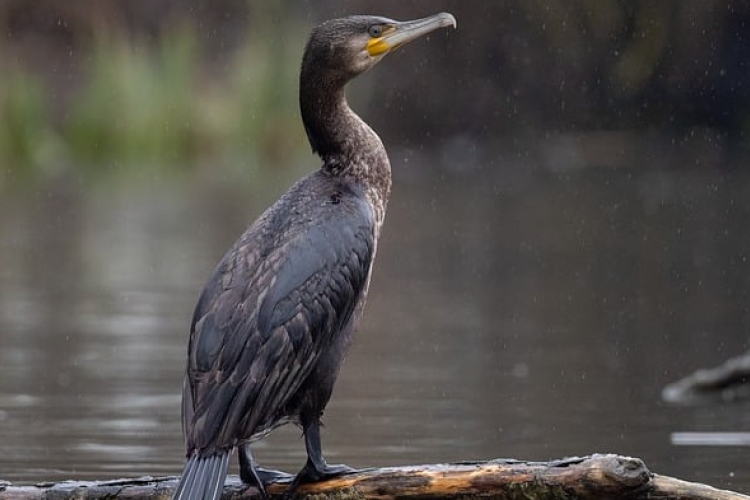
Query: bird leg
[256,476]
[316,468]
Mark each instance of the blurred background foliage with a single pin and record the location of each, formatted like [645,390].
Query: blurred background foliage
[91,86]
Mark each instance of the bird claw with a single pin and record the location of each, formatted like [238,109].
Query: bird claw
[260,477]
[312,474]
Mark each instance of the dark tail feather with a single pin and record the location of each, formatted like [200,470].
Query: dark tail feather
[203,477]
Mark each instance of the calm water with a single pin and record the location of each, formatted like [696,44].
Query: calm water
[513,312]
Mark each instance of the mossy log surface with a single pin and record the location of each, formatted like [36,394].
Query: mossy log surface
[594,477]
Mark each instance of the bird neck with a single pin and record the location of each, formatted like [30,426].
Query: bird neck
[349,148]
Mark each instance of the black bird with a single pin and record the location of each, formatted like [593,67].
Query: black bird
[274,322]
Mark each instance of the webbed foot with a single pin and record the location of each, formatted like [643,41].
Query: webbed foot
[312,473]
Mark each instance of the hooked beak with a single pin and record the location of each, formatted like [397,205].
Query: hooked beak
[401,33]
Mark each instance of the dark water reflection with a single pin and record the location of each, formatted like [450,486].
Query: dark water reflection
[513,313]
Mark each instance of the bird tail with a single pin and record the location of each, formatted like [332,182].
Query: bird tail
[203,477]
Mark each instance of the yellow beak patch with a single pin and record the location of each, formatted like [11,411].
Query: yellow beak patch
[377,46]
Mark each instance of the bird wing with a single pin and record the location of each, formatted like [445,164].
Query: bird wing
[265,318]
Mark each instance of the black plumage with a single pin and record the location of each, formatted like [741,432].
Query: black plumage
[274,321]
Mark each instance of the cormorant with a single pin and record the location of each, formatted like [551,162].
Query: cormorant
[274,322]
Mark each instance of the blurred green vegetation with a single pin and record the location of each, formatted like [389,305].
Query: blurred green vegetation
[25,132]
[137,106]
[155,104]
[92,86]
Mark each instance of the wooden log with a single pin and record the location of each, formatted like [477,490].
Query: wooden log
[596,477]
[728,381]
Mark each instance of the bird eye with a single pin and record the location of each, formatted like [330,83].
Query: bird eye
[375,31]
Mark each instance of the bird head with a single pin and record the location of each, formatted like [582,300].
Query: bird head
[349,46]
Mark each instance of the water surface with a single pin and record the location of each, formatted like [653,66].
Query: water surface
[514,312]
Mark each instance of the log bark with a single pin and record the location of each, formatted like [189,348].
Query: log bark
[596,477]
